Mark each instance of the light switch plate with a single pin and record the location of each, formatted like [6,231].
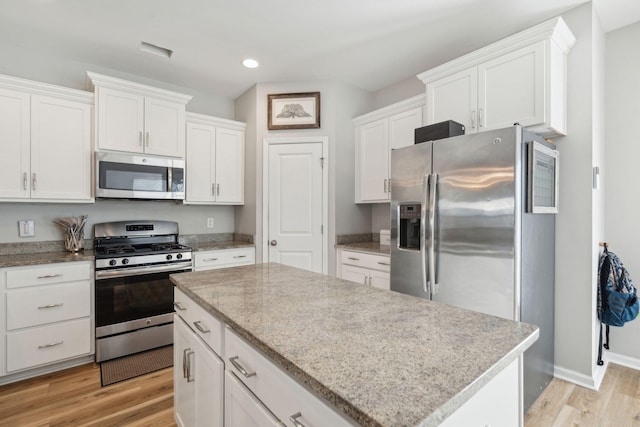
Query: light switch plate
[26,228]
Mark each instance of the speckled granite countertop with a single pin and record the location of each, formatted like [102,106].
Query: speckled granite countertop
[208,246]
[369,247]
[383,358]
[18,260]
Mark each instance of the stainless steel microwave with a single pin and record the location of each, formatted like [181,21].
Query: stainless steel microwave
[134,176]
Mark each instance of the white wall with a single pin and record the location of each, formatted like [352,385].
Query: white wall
[191,219]
[579,222]
[622,166]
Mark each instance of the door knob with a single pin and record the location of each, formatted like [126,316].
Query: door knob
[273,242]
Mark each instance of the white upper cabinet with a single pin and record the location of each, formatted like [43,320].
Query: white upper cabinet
[45,139]
[377,133]
[214,160]
[520,79]
[138,119]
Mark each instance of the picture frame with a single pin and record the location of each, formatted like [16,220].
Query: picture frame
[293,111]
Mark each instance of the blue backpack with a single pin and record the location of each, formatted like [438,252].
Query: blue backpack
[617,297]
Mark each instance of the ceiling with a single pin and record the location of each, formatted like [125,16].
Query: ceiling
[366,43]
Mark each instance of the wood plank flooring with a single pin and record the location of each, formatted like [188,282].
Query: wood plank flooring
[616,404]
[73,397]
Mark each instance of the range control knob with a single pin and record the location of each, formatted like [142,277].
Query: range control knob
[113,262]
[169,257]
[125,261]
[179,256]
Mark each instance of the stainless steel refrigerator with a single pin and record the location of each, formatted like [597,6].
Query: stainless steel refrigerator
[466,231]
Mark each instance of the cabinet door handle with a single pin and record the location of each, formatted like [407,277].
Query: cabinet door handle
[213,189]
[190,379]
[198,325]
[210,259]
[218,190]
[365,280]
[140,138]
[240,256]
[44,307]
[50,276]
[34,182]
[147,139]
[25,181]
[480,118]
[294,419]
[473,119]
[383,263]
[236,363]
[53,344]
[179,306]
[185,363]
[353,259]
[385,186]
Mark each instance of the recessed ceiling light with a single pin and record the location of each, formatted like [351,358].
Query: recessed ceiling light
[155,50]
[250,63]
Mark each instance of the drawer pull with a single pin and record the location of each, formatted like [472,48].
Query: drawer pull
[43,307]
[210,259]
[179,306]
[190,379]
[383,263]
[234,361]
[53,344]
[240,256]
[353,259]
[198,326]
[50,276]
[185,363]
[294,419]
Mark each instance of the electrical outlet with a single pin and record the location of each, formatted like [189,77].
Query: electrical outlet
[26,228]
[209,222]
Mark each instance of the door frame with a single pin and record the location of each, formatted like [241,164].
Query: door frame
[266,144]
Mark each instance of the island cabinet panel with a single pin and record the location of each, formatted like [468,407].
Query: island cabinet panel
[497,404]
[242,408]
[198,380]
[262,377]
[204,325]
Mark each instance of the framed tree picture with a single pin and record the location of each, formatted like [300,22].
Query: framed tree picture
[293,111]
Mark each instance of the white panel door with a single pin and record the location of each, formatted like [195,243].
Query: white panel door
[512,89]
[295,205]
[229,176]
[60,149]
[120,120]
[14,144]
[164,127]
[200,160]
[454,97]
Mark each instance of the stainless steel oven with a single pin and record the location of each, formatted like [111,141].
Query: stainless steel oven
[133,294]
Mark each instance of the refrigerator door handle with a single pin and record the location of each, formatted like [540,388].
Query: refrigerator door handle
[423,232]
[433,196]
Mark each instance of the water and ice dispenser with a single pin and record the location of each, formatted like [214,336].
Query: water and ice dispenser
[409,227]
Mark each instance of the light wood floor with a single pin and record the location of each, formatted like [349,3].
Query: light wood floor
[74,398]
[616,404]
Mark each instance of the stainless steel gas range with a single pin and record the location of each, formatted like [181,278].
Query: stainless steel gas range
[134,297]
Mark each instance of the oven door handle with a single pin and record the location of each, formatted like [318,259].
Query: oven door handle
[147,269]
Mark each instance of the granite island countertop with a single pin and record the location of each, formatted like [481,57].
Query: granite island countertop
[383,358]
[366,247]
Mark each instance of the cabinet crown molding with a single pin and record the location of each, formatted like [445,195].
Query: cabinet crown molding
[39,88]
[398,107]
[555,30]
[95,80]
[204,119]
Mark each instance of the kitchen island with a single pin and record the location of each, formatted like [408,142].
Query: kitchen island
[381,358]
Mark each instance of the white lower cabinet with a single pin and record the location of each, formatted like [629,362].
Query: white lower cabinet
[368,269]
[198,380]
[242,408]
[221,258]
[48,317]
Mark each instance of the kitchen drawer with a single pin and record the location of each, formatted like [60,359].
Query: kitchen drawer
[359,259]
[262,377]
[47,304]
[48,274]
[208,260]
[203,324]
[48,344]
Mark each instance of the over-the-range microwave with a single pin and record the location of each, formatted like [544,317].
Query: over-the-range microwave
[138,176]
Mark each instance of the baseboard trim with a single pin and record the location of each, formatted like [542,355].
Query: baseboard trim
[619,359]
[34,372]
[590,382]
